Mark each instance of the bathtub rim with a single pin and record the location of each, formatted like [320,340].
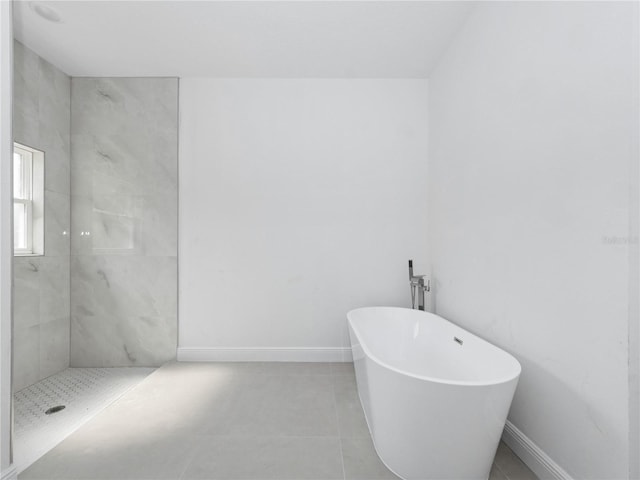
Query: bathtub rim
[498,381]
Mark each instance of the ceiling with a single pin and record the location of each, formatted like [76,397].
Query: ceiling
[324,39]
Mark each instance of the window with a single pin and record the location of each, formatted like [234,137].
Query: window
[28,196]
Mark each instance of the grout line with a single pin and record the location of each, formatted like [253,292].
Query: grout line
[191,458]
[335,409]
[271,435]
[495,464]
[515,459]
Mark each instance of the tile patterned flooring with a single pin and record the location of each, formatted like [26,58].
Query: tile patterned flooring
[252,421]
[84,392]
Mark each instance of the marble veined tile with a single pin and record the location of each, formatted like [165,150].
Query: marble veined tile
[41,114]
[124,135]
[124,221]
[124,162]
[114,233]
[159,224]
[41,290]
[57,168]
[26,73]
[124,310]
[126,99]
[116,341]
[57,224]
[54,93]
[54,104]
[41,119]
[115,224]
[26,291]
[125,224]
[55,288]
[87,181]
[54,346]
[41,318]
[26,357]
[81,220]
[124,285]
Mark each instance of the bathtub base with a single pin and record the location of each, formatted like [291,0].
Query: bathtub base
[431,430]
[441,438]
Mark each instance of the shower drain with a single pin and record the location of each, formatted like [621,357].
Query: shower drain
[55,409]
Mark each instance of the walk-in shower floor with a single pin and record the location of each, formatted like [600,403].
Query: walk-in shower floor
[83,391]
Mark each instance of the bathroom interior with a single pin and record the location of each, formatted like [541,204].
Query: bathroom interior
[195,194]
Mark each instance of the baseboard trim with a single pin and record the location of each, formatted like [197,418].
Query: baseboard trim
[532,455]
[264,354]
[10,473]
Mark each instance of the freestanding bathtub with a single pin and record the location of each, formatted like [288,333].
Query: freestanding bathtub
[435,396]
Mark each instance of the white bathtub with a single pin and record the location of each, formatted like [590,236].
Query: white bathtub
[435,396]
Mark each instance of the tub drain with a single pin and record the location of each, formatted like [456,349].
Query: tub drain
[55,409]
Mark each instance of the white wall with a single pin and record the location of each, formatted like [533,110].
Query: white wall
[634,275]
[531,134]
[6,241]
[299,200]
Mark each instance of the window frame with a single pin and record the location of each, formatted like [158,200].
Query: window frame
[31,179]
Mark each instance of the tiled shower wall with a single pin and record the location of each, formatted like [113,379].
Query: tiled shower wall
[41,119]
[124,161]
[119,308]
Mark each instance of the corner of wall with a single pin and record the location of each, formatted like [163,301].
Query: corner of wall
[634,265]
[532,455]
[6,241]
[9,474]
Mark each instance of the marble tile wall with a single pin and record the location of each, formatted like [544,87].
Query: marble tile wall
[41,286]
[124,162]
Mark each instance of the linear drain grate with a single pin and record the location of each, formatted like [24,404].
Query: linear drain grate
[55,409]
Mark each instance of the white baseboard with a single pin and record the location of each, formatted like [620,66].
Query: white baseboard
[532,455]
[264,354]
[9,474]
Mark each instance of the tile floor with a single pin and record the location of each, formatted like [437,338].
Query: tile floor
[233,421]
[83,391]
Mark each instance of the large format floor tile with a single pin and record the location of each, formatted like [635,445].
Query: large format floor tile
[361,461]
[234,421]
[351,421]
[511,466]
[278,458]
[99,453]
[281,405]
